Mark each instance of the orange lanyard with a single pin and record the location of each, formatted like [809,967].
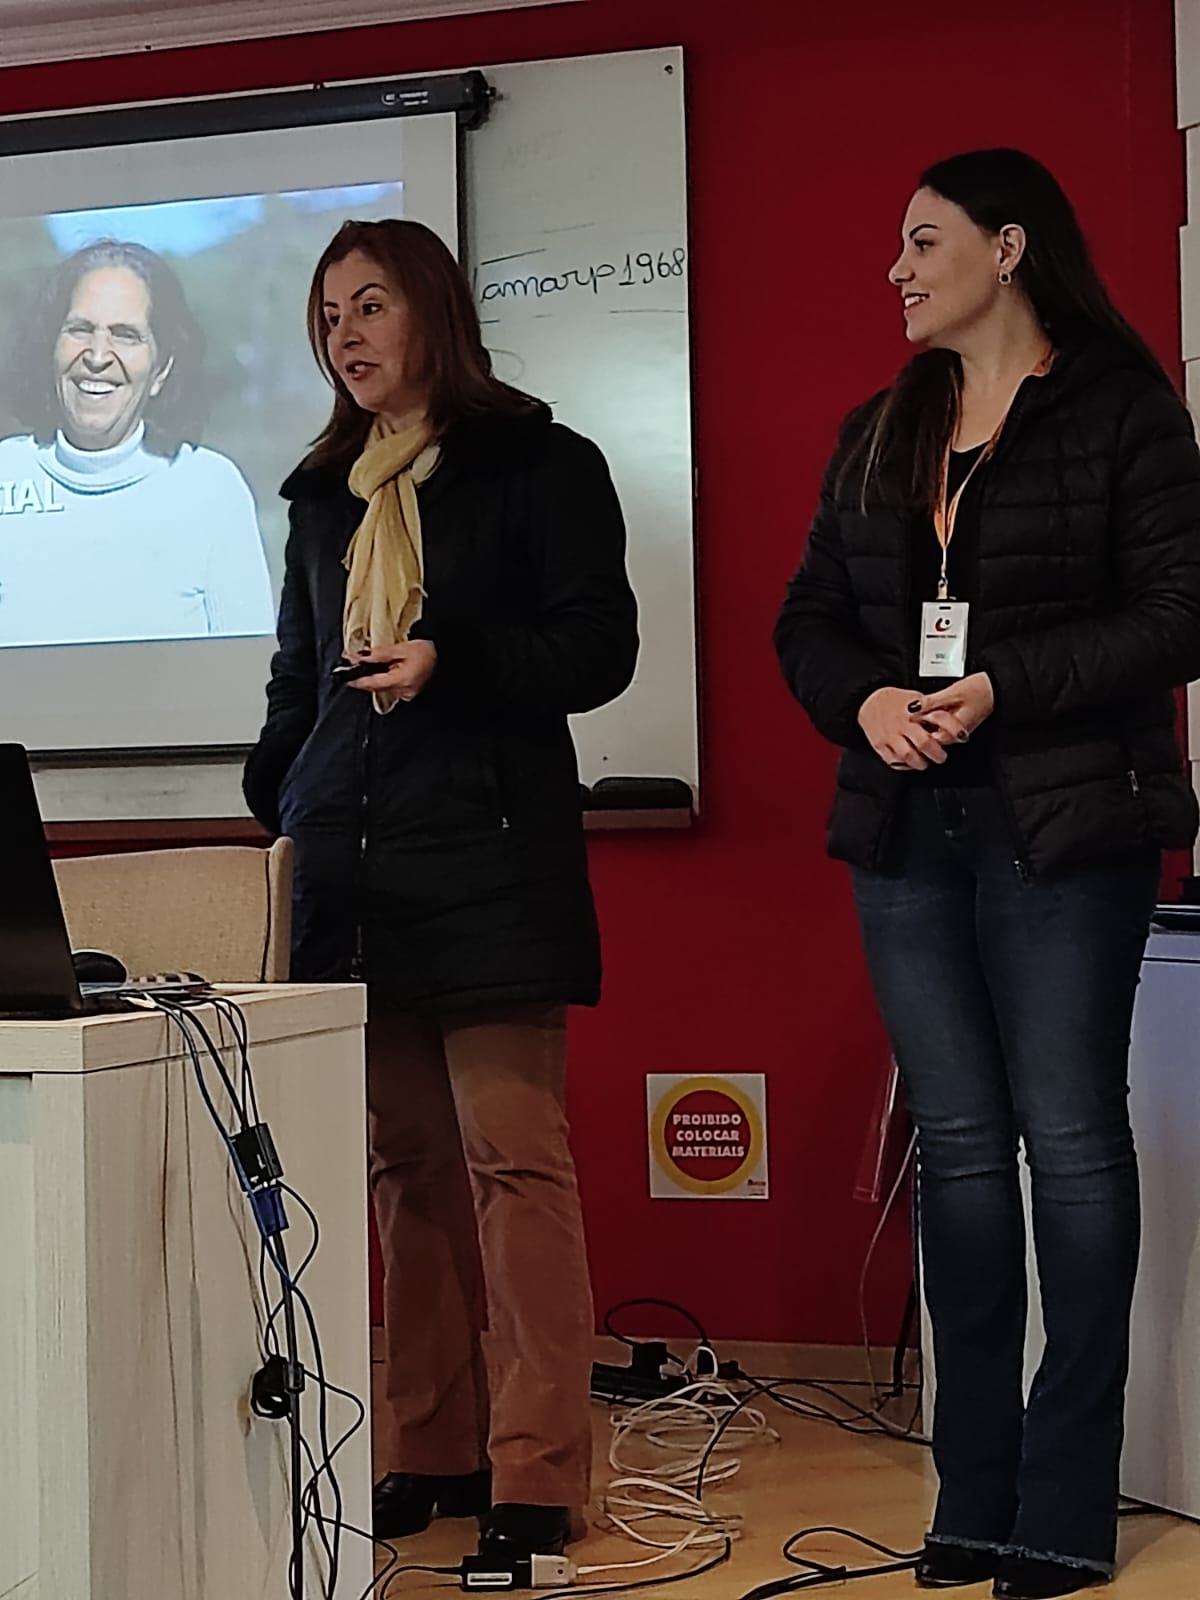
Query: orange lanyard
[944,516]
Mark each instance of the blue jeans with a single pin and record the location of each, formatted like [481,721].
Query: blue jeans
[1009,1001]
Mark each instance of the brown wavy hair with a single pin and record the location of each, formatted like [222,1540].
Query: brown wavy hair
[456,365]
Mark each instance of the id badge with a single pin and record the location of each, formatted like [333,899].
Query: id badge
[944,639]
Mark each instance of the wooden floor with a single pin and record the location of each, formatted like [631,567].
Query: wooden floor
[817,1475]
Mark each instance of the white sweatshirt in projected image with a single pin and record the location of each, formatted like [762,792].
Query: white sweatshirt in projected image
[120,544]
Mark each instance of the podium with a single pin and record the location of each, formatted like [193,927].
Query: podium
[131,1308]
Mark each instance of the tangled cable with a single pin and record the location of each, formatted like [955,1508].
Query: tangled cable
[695,1433]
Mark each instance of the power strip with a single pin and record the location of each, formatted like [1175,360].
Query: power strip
[642,1379]
[624,1383]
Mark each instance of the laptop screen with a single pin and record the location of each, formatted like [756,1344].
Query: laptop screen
[37,976]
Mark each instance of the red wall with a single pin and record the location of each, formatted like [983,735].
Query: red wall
[733,949]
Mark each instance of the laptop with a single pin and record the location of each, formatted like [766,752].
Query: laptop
[37,973]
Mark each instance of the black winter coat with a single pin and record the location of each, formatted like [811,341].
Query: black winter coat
[1087,614]
[439,848]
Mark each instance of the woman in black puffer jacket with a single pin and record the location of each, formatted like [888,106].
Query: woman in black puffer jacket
[465,554]
[1000,593]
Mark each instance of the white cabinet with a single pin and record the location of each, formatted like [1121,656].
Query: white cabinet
[1162,1417]
[131,1467]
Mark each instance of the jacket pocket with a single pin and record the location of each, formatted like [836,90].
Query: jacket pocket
[537,777]
[454,785]
[864,802]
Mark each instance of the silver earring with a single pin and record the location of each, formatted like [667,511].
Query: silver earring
[1006,277]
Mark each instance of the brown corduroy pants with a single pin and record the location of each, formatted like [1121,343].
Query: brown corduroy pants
[487,1303]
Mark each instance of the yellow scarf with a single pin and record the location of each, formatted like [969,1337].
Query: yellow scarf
[384,590]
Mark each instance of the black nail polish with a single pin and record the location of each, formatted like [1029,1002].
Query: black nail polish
[914,705]
[963,737]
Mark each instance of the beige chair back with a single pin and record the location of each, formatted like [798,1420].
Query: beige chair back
[224,912]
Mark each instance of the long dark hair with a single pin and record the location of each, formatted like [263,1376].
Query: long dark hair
[456,366]
[998,188]
[177,415]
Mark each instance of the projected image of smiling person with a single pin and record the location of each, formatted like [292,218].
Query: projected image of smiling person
[107,366]
[115,523]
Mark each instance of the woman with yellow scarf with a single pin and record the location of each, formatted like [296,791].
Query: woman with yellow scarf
[455,587]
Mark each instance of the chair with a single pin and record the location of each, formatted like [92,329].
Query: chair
[224,912]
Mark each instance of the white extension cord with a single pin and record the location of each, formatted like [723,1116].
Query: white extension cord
[691,1429]
[643,1499]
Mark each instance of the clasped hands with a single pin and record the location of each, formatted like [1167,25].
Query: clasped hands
[913,731]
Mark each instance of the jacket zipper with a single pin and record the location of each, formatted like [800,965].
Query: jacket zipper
[1020,401]
[1135,786]
[883,835]
[1020,863]
[357,967]
[498,803]
[1131,777]
[501,806]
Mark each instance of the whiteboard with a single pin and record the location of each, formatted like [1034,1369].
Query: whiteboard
[577,239]
[576,232]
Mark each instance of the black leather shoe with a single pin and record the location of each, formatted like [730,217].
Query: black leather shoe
[515,1531]
[1027,1578]
[404,1503]
[954,1566]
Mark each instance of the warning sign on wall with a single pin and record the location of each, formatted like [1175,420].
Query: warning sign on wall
[708,1136]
